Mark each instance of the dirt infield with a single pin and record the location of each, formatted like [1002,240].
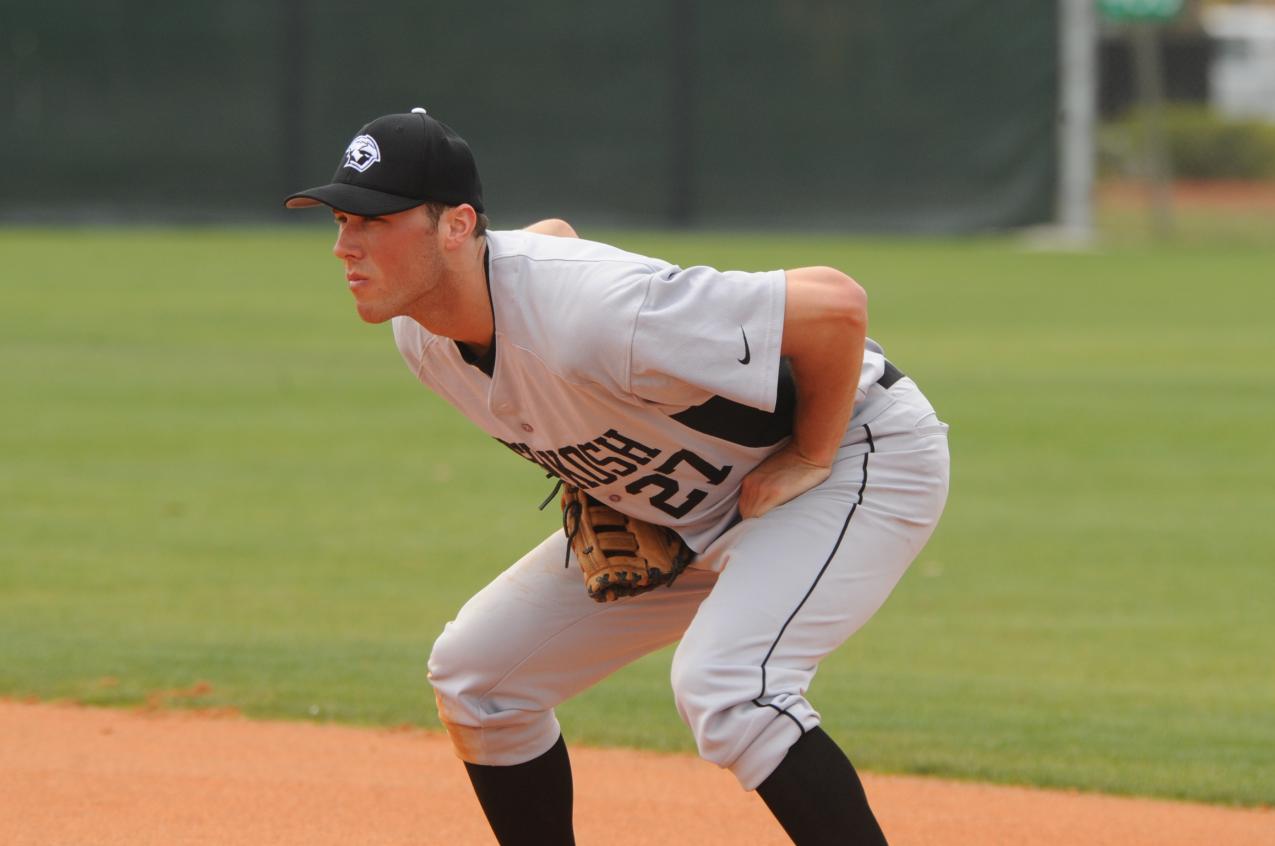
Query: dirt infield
[76,776]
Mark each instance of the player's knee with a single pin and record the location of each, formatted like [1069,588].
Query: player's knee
[447,664]
[706,692]
[486,728]
[453,686]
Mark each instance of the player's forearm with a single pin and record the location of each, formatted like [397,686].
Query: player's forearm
[552,226]
[825,325]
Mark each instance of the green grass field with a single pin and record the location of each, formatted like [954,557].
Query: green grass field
[213,472]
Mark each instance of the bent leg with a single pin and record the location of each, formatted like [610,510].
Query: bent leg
[798,581]
[526,642]
[532,639]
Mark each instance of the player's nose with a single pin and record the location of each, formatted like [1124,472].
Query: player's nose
[346,246]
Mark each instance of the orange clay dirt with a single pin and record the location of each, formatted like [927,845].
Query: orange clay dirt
[76,776]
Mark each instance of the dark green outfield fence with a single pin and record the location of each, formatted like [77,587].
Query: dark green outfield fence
[904,115]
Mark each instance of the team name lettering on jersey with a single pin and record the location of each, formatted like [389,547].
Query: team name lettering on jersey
[601,461]
[613,456]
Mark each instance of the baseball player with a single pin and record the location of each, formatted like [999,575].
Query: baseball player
[740,422]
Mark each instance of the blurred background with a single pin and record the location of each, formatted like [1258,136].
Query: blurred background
[219,489]
[667,113]
[842,115]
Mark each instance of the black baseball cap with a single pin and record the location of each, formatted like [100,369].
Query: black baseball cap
[398,162]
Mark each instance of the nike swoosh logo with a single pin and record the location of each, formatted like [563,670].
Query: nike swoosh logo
[748,356]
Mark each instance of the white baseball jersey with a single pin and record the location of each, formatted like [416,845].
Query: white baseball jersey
[656,388]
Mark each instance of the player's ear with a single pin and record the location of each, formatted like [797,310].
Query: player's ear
[458,224]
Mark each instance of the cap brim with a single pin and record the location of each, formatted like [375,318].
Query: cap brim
[352,199]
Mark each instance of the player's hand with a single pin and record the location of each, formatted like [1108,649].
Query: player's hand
[783,476]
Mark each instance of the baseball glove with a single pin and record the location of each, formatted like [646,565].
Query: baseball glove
[620,555]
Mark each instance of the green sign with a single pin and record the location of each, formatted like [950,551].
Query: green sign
[1140,10]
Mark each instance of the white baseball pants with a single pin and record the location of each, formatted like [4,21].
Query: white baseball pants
[756,612]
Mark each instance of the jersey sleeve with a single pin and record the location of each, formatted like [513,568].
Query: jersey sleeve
[702,332]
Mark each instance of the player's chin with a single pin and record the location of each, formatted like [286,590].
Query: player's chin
[372,313]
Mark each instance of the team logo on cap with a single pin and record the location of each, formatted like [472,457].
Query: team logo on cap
[362,153]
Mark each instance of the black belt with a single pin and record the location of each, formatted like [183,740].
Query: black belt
[891,375]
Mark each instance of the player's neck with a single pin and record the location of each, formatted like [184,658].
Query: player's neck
[461,308]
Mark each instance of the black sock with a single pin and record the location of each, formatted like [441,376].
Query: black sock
[528,804]
[817,797]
